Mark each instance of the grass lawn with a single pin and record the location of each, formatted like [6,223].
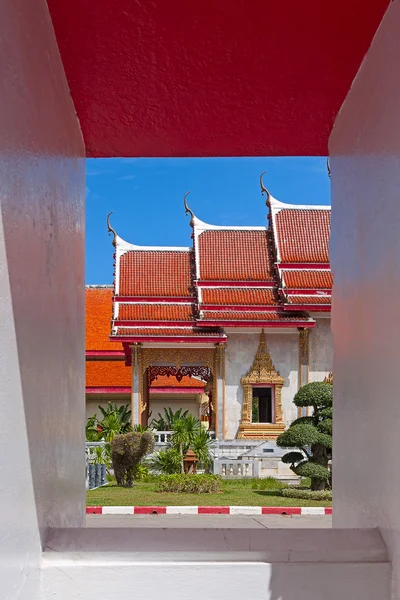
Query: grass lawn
[235,493]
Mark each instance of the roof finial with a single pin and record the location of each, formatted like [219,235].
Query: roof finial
[328,166]
[111,230]
[188,211]
[264,189]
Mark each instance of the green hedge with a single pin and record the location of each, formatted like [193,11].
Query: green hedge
[189,484]
[305,494]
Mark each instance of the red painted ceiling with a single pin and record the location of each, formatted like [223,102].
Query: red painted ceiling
[212,77]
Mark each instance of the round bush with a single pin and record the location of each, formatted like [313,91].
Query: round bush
[317,394]
[312,470]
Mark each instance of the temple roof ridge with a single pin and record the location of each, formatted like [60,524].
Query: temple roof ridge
[124,246]
[277,205]
[202,226]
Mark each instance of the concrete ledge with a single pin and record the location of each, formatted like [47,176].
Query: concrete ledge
[273,545]
[177,564]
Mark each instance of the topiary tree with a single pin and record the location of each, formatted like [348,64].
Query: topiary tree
[127,451]
[311,435]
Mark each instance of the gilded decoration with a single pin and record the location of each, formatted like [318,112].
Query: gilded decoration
[178,357]
[303,345]
[329,378]
[184,360]
[261,371]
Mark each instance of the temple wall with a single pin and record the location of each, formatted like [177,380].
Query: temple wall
[320,350]
[94,400]
[187,402]
[365,256]
[42,174]
[240,353]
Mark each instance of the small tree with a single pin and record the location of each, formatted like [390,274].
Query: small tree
[186,433]
[127,451]
[311,435]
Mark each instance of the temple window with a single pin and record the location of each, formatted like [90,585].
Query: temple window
[262,405]
[262,416]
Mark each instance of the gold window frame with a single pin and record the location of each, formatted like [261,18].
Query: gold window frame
[262,371]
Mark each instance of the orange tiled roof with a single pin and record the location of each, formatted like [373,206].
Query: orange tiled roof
[224,315]
[234,255]
[164,381]
[98,316]
[311,280]
[303,235]
[155,273]
[155,312]
[164,331]
[107,373]
[295,299]
[237,296]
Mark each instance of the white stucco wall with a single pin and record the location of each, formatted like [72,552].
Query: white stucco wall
[41,296]
[365,253]
[240,352]
[320,349]
[93,401]
[187,402]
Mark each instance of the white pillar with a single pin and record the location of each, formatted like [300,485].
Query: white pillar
[136,388]
[219,401]
[42,297]
[365,256]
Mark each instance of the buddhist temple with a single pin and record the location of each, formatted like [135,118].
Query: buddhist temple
[228,328]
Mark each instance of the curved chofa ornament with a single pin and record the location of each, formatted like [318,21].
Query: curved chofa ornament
[111,230]
[188,211]
[264,189]
[328,166]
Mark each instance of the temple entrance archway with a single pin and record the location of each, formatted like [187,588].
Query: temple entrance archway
[206,363]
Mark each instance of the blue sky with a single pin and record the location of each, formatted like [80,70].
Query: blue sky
[146,196]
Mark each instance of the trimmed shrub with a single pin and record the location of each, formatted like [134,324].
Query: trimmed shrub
[189,484]
[311,436]
[127,451]
[305,494]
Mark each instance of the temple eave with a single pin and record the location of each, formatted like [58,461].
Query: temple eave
[275,324]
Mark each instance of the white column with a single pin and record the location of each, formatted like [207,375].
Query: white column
[135,393]
[304,368]
[365,257]
[219,401]
[42,297]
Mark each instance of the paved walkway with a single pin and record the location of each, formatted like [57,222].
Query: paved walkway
[210,521]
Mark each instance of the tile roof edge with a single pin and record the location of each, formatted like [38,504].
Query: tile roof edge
[201,226]
[277,205]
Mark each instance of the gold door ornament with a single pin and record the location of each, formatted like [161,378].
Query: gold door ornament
[261,372]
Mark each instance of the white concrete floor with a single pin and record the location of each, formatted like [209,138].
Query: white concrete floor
[210,521]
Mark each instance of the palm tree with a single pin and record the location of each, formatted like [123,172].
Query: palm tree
[123,413]
[179,438]
[201,446]
[167,421]
[185,430]
[111,426]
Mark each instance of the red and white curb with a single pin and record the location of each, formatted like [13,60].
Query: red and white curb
[208,510]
